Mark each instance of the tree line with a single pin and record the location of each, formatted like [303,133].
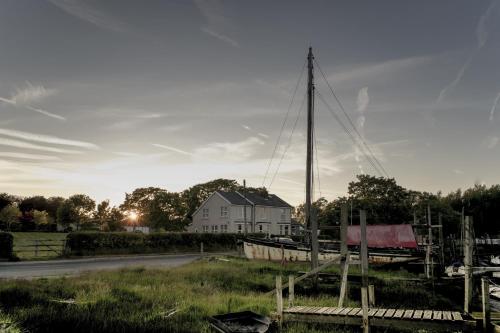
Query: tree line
[385,201]
[155,207]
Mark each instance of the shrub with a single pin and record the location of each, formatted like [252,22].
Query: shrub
[89,243]
[6,245]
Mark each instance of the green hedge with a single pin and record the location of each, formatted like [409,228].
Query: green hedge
[90,243]
[6,245]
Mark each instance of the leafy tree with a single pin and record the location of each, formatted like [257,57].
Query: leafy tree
[38,202]
[115,220]
[76,209]
[139,200]
[102,213]
[41,218]
[166,211]
[9,216]
[5,200]
[383,199]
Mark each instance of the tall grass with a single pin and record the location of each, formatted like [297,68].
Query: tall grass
[140,300]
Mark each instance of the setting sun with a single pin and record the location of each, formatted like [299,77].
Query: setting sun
[133,216]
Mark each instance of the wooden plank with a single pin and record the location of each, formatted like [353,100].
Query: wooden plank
[322,310]
[380,313]
[306,309]
[427,314]
[331,311]
[344,311]
[437,315]
[389,313]
[337,311]
[418,314]
[408,314]
[353,312]
[399,313]
[447,315]
[457,316]
[371,312]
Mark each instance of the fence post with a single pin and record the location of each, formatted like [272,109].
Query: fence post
[201,248]
[485,290]
[36,247]
[291,290]
[371,295]
[344,255]
[279,298]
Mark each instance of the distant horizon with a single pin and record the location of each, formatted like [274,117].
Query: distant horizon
[103,98]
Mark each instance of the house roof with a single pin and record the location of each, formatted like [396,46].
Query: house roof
[237,198]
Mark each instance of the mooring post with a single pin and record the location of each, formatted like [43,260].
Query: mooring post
[291,290]
[441,242]
[201,248]
[344,255]
[468,262]
[429,270]
[279,298]
[485,291]
[364,271]
[371,295]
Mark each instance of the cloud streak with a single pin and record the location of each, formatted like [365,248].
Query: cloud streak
[481,37]
[46,139]
[26,145]
[24,156]
[217,22]
[494,107]
[175,150]
[25,97]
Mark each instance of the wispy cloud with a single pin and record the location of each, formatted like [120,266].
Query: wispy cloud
[24,156]
[230,151]
[217,21]
[362,104]
[32,94]
[482,37]
[491,142]
[46,139]
[494,107]
[26,145]
[265,136]
[246,127]
[86,12]
[176,150]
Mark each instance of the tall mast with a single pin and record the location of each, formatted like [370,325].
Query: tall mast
[311,220]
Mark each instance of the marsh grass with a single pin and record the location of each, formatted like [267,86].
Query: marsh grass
[140,300]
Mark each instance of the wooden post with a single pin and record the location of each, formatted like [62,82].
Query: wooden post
[441,241]
[291,290]
[279,298]
[36,247]
[468,262]
[364,271]
[485,290]
[371,295]
[344,255]
[429,271]
[201,248]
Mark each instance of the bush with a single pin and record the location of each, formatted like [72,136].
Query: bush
[6,245]
[89,243]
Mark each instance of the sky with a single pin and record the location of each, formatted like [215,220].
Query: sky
[102,97]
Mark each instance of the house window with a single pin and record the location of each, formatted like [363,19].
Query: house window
[215,228]
[286,230]
[283,214]
[281,230]
[240,228]
[205,228]
[205,213]
[262,214]
[223,228]
[260,227]
[223,211]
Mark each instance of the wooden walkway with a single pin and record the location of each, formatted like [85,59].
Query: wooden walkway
[412,319]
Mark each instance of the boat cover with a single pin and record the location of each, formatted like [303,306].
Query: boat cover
[383,236]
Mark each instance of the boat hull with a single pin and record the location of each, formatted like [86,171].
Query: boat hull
[285,252]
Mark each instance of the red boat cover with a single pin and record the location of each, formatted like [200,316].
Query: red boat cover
[383,236]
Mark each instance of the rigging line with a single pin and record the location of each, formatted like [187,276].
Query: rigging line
[348,132]
[350,120]
[289,140]
[368,158]
[317,165]
[284,123]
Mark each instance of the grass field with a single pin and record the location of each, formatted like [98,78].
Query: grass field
[139,300]
[25,248]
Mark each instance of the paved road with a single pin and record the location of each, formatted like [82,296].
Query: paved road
[33,269]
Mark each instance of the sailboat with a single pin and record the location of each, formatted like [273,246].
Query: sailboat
[284,249]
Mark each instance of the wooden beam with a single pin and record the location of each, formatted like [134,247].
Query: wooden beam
[468,262]
[364,271]
[279,298]
[345,256]
[371,295]
[485,291]
[291,291]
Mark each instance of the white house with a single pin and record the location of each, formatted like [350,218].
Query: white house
[224,212]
